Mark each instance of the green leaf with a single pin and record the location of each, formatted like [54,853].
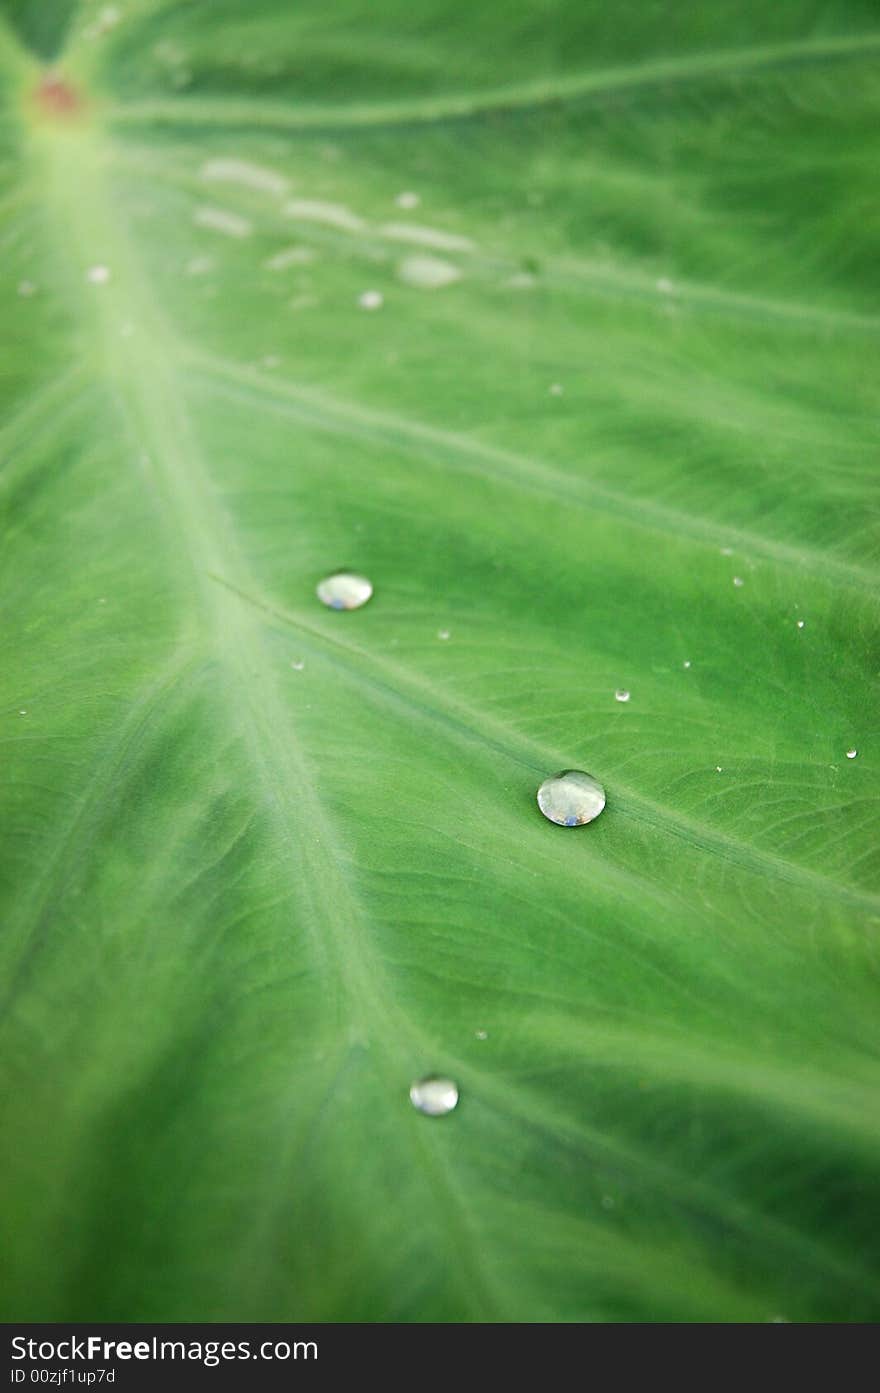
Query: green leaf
[265,864]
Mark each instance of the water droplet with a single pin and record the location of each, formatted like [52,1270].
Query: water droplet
[738,581]
[851,754]
[556,389]
[571,798]
[443,633]
[800,623]
[102,601]
[686,663]
[434,1096]
[344,590]
[621,694]
[297,664]
[718,769]
[371,300]
[407,199]
[481,1034]
[727,551]
[427,272]
[26,288]
[98,275]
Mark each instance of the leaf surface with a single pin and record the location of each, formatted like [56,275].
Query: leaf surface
[610,423]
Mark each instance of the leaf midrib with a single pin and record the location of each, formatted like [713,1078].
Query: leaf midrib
[142,370]
[593,85]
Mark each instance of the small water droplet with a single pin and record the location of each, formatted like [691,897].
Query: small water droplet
[371,300]
[297,664]
[621,694]
[98,275]
[26,288]
[102,601]
[738,581]
[22,712]
[718,769]
[434,1096]
[800,623]
[556,389]
[481,1034]
[851,754]
[686,663]
[571,798]
[344,590]
[443,633]
[727,551]
[407,199]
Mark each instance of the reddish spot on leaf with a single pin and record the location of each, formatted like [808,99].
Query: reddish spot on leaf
[55,97]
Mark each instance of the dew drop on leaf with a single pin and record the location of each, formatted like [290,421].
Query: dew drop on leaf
[571,798]
[738,581]
[371,300]
[851,754]
[434,1096]
[98,275]
[344,590]
[621,694]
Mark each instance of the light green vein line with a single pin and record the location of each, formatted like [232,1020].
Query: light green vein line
[463,455]
[144,376]
[31,918]
[391,682]
[565,274]
[592,86]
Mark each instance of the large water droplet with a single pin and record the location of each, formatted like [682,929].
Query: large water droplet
[434,1096]
[571,798]
[621,694]
[344,590]
[851,754]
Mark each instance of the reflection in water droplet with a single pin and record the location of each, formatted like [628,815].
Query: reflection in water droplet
[571,798]
[851,754]
[686,663]
[738,581]
[800,623]
[481,1034]
[434,1096]
[297,664]
[371,300]
[22,712]
[443,633]
[344,590]
[621,694]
